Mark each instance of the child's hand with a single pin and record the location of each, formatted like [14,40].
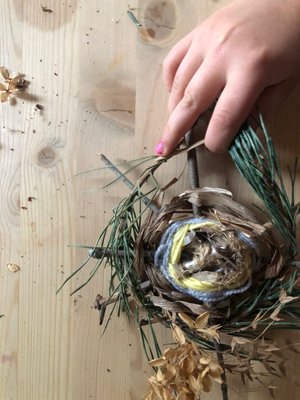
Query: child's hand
[247,53]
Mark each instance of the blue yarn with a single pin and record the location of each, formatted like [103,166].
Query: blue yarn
[162,255]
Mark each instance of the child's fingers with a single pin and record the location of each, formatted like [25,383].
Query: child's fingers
[201,92]
[174,58]
[185,72]
[232,109]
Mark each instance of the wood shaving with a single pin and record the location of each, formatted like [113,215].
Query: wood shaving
[13,267]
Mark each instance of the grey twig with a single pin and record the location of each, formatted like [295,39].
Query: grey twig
[127,182]
[194,183]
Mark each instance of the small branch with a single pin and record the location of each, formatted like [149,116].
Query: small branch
[192,160]
[127,182]
[100,252]
[133,17]
[224,387]
[192,167]
[194,183]
[101,302]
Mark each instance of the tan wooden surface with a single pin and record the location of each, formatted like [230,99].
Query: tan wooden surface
[97,96]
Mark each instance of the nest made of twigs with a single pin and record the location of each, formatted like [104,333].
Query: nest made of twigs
[215,253]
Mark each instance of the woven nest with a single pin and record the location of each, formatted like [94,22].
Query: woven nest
[208,262]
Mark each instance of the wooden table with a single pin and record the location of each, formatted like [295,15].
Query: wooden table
[96,78]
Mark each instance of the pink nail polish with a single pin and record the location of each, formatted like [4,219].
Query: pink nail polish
[160,148]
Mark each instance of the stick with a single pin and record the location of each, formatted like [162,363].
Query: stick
[224,387]
[194,183]
[192,167]
[127,182]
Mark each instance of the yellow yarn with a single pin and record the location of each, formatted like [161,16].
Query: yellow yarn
[194,283]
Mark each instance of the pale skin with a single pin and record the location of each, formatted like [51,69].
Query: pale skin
[245,56]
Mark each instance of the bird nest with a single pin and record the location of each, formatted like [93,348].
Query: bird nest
[208,268]
[208,258]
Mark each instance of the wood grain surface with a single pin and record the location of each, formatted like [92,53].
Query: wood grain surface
[97,78]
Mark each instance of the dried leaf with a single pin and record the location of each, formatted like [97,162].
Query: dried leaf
[211,332]
[202,320]
[284,298]
[272,348]
[14,76]
[2,87]
[196,309]
[4,72]
[215,368]
[170,353]
[168,372]
[206,382]
[4,97]
[160,376]
[156,388]
[187,320]
[205,371]
[258,317]
[12,88]
[149,396]
[275,265]
[194,384]
[187,366]
[178,334]
[237,340]
[204,360]
[158,362]
[274,314]
[165,304]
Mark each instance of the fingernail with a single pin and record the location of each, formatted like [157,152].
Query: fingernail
[159,149]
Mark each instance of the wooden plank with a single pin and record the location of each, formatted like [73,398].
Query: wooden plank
[164,23]
[80,62]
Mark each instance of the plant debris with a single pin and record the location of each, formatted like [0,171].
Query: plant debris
[11,85]
[46,9]
[183,371]
[13,267]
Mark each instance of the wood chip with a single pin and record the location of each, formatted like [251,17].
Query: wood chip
[46,9]
[13,267]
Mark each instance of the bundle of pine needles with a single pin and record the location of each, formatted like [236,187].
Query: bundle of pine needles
[206,266]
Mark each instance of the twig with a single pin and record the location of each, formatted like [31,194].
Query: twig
[100,252]
[127,182]
[101,302]
[224,387]
[192,161]
[133,18]
[195,183]
[192,166]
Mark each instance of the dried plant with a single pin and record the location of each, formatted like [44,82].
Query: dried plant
[11,85]
[184,371]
